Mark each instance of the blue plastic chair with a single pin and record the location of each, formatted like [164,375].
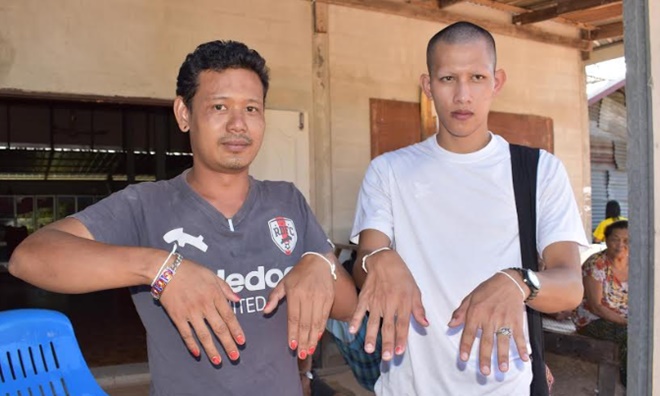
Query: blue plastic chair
[39,355]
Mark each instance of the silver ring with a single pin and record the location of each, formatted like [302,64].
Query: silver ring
[505,331]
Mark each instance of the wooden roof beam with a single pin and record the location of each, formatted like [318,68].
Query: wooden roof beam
[446,3]
[407,10]
[562,7]
[608,31]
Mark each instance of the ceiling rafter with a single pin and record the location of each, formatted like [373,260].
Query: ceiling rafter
[562,7]
[439,15]
[608,31]
[513,9]
[446,3]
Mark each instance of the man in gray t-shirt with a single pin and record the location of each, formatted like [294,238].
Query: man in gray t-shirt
[211,254]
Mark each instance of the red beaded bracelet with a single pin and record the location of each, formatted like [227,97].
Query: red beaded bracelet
[165,277]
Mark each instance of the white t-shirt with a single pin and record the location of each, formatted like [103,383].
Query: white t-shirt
[452,218]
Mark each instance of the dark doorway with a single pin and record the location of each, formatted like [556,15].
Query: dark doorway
[60,155]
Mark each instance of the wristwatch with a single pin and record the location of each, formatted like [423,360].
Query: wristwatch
[308,374]
[531,280]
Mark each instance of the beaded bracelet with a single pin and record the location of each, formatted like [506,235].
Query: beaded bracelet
[165,277]
[167,260]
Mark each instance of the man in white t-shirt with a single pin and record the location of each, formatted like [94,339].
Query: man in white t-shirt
[447,210]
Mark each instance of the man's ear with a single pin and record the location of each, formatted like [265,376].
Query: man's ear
[500,79]
[425,84]
[182,114]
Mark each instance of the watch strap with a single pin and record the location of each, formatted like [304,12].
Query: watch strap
[533,290]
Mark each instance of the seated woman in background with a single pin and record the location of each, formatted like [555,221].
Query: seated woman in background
[603,313]
[612,214]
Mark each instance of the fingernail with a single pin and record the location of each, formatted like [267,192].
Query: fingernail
[320,335]
[266,306]
[504,367]
[233,355]
[427,321]
[351,329]
[525,356]
[237,296]
[369,348]
[485,370]
[311,350]
[195,352]
[464,356]
[216,360]
[240,339]
[387,355]
[398,350]
[293,344]
[302,355]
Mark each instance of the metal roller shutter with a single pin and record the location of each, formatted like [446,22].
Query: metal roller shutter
[617,188]
[598,196]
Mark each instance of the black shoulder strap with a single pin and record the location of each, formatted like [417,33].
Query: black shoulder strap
[524,165]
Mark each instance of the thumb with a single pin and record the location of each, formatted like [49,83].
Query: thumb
[418,311]
[227,291]
[458,317]
[274,298]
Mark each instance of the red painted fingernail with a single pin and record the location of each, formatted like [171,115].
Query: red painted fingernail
[240,339]
[311,350]
[302,354]
[195,352]
[216,360]
[293,344]
[398,350]
[233,355]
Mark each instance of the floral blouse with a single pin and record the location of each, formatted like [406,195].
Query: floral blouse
[615,292]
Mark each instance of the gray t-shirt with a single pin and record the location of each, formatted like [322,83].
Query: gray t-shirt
[251,252]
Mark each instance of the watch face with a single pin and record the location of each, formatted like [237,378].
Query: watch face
[533,279]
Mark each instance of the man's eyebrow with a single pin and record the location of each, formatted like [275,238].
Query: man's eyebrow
[223,97]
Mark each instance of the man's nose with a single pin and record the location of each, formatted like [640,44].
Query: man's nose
[236,122]
[463,94]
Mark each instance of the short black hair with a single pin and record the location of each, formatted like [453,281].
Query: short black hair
[617,225]
[612,209]
[218,56]
[460,33]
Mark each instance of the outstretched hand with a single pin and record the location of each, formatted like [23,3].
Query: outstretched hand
[310,291]
[494,305]
[196,300]
[391,293]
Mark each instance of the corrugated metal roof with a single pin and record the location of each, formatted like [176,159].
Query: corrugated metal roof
[43,164]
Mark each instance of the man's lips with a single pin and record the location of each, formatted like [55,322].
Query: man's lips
[461,115]
[236,145]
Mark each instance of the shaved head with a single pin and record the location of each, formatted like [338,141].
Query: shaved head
[460,33]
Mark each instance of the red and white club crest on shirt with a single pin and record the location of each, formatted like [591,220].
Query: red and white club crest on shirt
[283,232]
